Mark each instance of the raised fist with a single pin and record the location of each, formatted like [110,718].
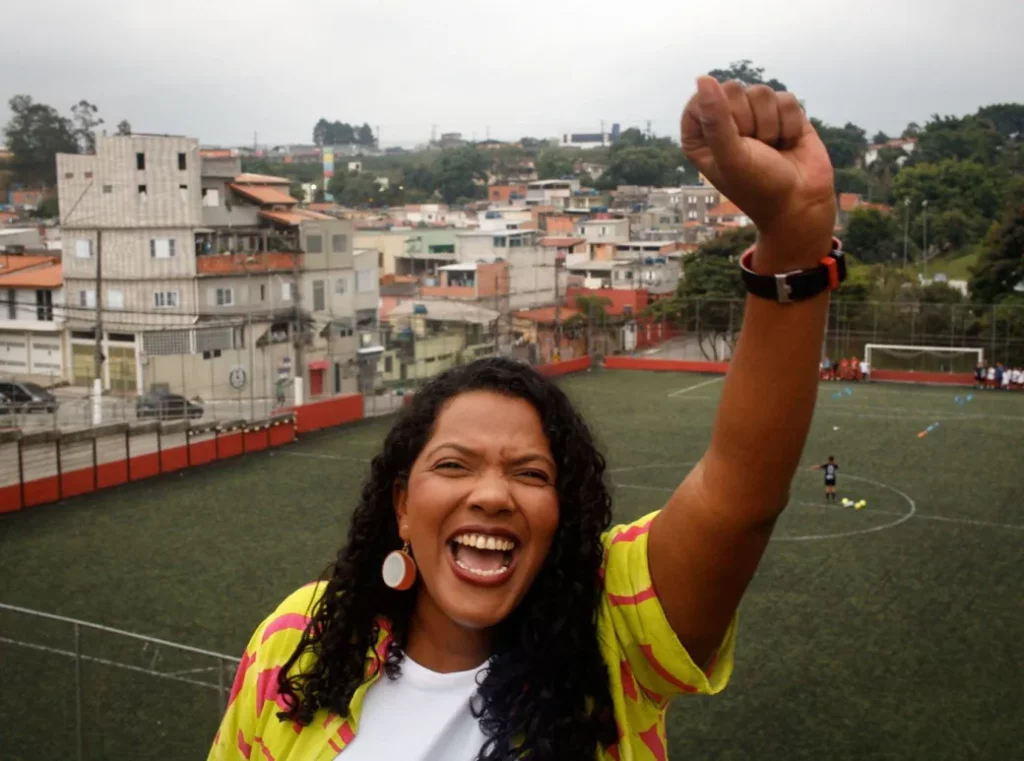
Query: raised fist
[757,147]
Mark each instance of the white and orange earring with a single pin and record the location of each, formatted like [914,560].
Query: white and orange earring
[399,569]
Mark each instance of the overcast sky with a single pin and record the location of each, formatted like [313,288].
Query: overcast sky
[221,70]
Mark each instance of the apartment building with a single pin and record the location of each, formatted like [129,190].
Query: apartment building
[557,193]
[32,336]
[212,279]
[531,266]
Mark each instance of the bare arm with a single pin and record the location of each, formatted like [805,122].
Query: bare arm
[758,148]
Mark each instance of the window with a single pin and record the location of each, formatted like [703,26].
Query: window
[108,189]
[87,299]
[263,292]
[341,286]
[286,291]
[142,192]
[115,300]
[516,242]
[88,175]
[140,160]
[314,244]
[366,280]
[225,297]
[161,248]
[318,296]
[165,299]
[692,214]
[83,249]
[164,342]
[215,340]
[12,304]
[211,197]
[69,175]
[339,243]
[181,162]
[183,190]
[388,364]
[44,305]
[499,241]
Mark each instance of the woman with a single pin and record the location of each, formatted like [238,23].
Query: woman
[481,608]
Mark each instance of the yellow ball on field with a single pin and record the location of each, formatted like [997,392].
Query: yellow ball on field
[862,504]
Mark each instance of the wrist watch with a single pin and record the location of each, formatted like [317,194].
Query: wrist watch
[796,285]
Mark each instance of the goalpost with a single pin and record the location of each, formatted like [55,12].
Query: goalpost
[929,359]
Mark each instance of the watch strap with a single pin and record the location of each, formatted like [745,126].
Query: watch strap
[796,285]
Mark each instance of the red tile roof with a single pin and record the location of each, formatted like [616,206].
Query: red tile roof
[725,209]
[265,195]
[261,179]
[293,217]
[30,272]
[546,315]
[849,201]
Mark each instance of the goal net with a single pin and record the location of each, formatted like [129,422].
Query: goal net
[928,359]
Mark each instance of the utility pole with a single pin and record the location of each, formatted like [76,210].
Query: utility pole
[924,249]
[97,383]
[298,336]
[558,316]
[248,338]
[906,229]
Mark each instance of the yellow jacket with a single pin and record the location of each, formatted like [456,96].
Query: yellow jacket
[647,666]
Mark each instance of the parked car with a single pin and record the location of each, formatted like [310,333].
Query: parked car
[164,405]
[27,397]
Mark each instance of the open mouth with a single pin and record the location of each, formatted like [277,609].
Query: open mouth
[482,557]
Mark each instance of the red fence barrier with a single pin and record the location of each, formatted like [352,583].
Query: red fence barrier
[553,369]
[329,413]
[105,475]
[665,365]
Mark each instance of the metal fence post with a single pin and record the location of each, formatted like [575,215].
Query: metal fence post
[79,751]
[220,686]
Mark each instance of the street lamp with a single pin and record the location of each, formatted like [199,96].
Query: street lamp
[250,259]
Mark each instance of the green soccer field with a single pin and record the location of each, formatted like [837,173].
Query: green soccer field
[893,632]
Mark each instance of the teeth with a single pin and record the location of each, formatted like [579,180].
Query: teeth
[477,572]
[484,542]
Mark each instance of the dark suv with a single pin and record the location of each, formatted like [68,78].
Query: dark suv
[26,397]
[163,405]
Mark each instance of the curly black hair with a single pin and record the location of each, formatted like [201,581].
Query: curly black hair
[545,693]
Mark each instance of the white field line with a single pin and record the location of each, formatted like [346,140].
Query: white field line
[314,456]
[816,505]
[682,391]
[105,662]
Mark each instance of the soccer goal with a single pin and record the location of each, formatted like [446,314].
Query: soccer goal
[927,359]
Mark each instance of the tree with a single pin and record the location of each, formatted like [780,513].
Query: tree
[296,191]
[47,209]
[845,145]
[34,135]
[85,117]
[965,138]
[746,73]
[913,130]
[880,138]
[595,308]
[852,180]
[554,163]
[364,136]
[124,127]
[707,298]
[1006,118]
[1000,266]
[873,237]
[459,170]
[967,185]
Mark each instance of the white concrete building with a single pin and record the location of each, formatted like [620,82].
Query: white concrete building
[33,343]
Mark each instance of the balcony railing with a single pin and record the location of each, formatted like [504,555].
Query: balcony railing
[241,264]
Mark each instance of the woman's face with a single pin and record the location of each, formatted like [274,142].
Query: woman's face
[480,507]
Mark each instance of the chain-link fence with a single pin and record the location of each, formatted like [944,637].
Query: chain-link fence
[105,689]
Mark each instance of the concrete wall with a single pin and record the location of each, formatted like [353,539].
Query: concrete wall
[103,189]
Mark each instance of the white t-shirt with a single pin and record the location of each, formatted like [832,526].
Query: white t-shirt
[421,716]
[991,373]
[1006,377]
[864,369]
